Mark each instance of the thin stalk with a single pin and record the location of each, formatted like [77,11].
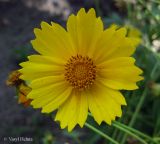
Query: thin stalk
[130,133]
[144,5]
[136,112]
[101,133]
[131,123]
[154,70]
[126,130]
[156,1]
[120,135]
[157,139]
[115,132]
[97,6]
[142,118]
[139,106]
[133,130]
[129,10]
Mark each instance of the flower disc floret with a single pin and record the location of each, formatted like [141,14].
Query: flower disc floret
[80,72]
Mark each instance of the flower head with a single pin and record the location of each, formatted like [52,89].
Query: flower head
[81,69]
[133,32]
[22,88]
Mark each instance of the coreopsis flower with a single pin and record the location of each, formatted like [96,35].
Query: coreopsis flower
[21,87]
[80,69]
[23,90]
[13,78]
[133,32]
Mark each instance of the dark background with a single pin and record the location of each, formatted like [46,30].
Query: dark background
[18,18]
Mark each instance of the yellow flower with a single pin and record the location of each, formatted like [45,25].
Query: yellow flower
[133,32]
[23,91]
[13,79]
[81,69]
[21,87]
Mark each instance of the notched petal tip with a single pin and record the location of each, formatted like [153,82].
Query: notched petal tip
[72,15]
[22,77]
[81,11]
[122,31]
[53,23]
[92,12]
[44,24]
[32,41]
[81,125]
[109,123]
[98,121]
[135,41]
[30,95]
[136,87]
[44,111]
[133,60]
[56,25]
[140,71]
[141,78]
[32,103]
[22,64]
[30,56]
[36,31]
[70,128]
[114,26]
[62,124]
[124,102]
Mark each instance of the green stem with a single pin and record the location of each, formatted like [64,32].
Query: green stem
[120,135]
[140,103]
[157,139]
[139,106]
[101,133]
[130,133]
[134,130]
[156,1]
[97,6]
[136,112]
[129,11]
[115,132]
[142,118]
[144,5]
[154,70]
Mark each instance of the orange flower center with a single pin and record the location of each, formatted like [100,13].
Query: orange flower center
[80,72]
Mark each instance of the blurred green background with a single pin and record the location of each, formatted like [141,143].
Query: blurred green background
[17,20]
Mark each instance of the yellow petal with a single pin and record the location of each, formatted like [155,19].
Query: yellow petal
[46,60]
[119,73]
[31,70]
[105,103]
[134,41]
[85,30]
[53,41]
[110,40]
[46,89]
[46,81]
[114,43]
[56,95]
[125,49]
[133,32]
[57,101]
[73,111]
